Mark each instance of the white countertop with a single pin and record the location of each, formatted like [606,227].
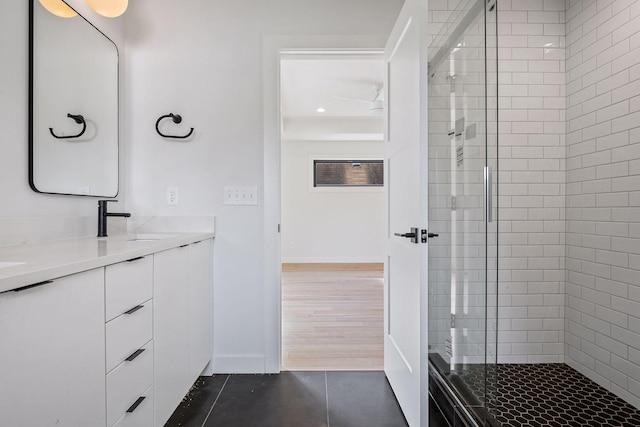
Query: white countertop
[23,265]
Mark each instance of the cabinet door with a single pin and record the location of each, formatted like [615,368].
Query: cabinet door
[170,326]
[52,353]
[200,306]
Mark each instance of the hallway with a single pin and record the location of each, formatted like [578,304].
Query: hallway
[332,317]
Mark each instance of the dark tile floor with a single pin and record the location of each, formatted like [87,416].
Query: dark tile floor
[291,399]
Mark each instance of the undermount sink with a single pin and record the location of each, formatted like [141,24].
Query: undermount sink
[148,237]
[10,263]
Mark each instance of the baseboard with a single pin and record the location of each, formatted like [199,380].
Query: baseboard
[332,260]
[239,364]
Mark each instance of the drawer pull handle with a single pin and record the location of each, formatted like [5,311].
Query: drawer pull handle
[35,285]
[135,259]
[184,246]
[135,354]
[134,309]
[136,404]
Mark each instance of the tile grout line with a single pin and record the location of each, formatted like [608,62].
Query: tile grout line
[326,396]
[215,401]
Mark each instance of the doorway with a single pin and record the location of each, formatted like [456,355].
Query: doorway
[332,208]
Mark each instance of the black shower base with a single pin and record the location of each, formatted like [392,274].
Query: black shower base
[536,395]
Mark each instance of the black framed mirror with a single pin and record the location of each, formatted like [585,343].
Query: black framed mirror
[73,105]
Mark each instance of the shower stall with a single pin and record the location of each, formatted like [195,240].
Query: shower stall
[534,189]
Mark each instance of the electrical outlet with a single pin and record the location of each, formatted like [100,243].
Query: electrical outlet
[172,196]
[241,196]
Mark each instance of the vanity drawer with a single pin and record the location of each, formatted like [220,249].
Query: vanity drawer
[128,382]
[127,284]
[127,333]
[142,415]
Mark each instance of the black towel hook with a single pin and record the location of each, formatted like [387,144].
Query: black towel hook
[177,118]
[76,118]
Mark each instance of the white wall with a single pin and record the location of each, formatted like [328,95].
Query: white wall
[329,224]
[205,60]
[24,214]
[603,194]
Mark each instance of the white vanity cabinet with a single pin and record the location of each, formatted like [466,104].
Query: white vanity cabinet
[170,330]
[116,341]
[52,353]
[183,326]
[129,342]
[200,306]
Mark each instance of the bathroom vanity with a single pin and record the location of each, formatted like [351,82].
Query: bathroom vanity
[103,332]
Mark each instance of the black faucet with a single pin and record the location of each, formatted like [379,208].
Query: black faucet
[103,214]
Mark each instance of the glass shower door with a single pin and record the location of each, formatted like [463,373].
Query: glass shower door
[462,208]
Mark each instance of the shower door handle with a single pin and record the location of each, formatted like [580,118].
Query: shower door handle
[413,235]
[488,208]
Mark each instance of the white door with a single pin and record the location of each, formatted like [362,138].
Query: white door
[406,171]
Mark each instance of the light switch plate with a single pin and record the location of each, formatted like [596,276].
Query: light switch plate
[245,196]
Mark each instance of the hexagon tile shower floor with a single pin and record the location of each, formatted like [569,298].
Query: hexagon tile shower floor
[552,394]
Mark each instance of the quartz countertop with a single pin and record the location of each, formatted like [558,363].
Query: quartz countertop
[27,264]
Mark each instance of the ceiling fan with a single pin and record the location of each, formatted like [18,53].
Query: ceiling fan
[376,105]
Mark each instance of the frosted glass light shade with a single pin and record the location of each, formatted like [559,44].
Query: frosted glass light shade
[58,8]
[109,8]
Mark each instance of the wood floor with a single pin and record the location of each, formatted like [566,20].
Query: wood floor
[332,317]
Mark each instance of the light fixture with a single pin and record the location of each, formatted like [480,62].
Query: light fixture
[109,8]
[58,8]
[320,110]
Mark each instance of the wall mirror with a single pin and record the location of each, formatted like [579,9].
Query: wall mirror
[73,105]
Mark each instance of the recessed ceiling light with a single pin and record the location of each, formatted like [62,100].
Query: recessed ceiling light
[320,110]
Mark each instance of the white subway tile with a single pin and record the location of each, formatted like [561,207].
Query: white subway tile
[613,111]
[614,140]
[597,158]
[513,16]
[616,51]
[614,23]
[625,92]
[581,17]
[626,61]
[557,128]
[626,122]
[597,20]
[527,78]
[597,131]
[544,66]
[612,170]
[626,30]
[553,29]
[582,95]
[551,103]
[612,258]
[613,200]
[630,183]
[546,17]
[621,78]
[596,325]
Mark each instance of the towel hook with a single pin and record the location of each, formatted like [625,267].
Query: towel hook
[177,118]
[76,118]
